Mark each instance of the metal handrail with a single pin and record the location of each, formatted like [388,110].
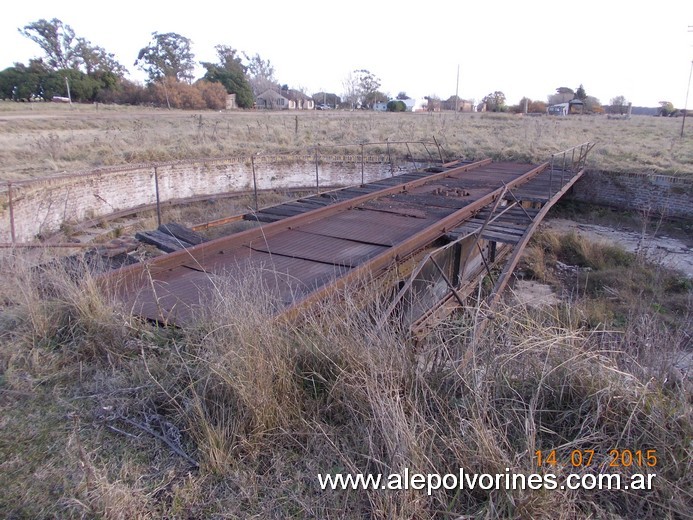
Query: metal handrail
[573,167]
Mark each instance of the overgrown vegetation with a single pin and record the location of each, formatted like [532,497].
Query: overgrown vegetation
[610,285]
[106,416]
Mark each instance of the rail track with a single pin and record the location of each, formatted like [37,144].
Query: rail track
[438,230]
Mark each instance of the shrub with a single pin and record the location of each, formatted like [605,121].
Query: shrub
[214,94]
[396,106]
[199,96]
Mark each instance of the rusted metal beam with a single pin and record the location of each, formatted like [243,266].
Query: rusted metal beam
[448,282]
[412,277]
[503,279]
[482,228]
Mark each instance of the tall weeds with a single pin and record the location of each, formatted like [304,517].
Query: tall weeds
[259,407]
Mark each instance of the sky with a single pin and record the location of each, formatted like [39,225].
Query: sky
[640,50]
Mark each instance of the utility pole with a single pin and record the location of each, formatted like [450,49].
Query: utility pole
[685,105]
[67,84]
[688,89]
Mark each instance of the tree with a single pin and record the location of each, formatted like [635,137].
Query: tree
[666,108]
[367,85]
[350,95]
[57,41]
[618,104]
[20,82]
[64,50]
[396,106]
[592,105]
[96,60]
[402,96]
[580,93]
[374,97]
[495,102]
[537,107]
[168,55]
[260,74]
[562,95]
[327,98]
[90,67]
[231,73]
[433,103]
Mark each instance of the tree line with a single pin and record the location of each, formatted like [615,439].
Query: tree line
[75,67]
[72,65]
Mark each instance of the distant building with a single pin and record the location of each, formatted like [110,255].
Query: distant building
[285,100]
[272,100]
[574,106]
[561,109]
[298,100]
[461,105]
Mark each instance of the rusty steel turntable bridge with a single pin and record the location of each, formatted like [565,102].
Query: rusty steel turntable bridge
[433,233]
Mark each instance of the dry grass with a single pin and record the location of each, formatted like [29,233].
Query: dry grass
[611,286]
[52,139]
[235,417]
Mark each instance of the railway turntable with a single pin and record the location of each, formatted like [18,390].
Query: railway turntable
[432,233]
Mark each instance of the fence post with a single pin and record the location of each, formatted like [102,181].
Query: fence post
[252,163]
[411,156]
[317,175]
[440,152]
[11,204]
[550,176]
[158,201]
[389,158]
[362,160]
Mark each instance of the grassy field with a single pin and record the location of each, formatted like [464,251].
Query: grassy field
[45,139]
[105,416]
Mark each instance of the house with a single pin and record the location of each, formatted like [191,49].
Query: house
[285,99]
[380,106]
[574,106]
[298,100]
[561,109]
[272,100]
[462,105]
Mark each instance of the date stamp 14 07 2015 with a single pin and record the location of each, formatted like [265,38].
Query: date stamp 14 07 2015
[615,458]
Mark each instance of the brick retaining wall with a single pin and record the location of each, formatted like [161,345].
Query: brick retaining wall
[658,194]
